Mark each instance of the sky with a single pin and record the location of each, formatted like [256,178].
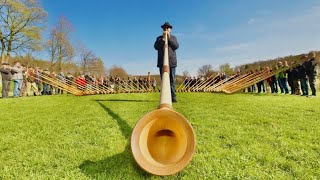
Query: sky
[123,32]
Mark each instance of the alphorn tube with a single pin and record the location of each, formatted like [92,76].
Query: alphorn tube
[163,141]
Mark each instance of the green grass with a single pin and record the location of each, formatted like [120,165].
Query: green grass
[238,136]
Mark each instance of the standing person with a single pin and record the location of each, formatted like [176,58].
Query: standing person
[269,80]
[303,76]
[311,71]
[272,81]
[140,81]
[69,80]
[260,84]
[135,82]
[283,79]
[45,85]
[100,82]
[81,83]
[17,77]
[154,83]
[89,81]
[295,77]
[61,79]
[23,89]
[31,85]
[290,80]
[6,79]
[106,83]
[38,79]
[53,76]
[173,45]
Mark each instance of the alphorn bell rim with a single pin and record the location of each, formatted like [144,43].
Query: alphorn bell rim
[152,166]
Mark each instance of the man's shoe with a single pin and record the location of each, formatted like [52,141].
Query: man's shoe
[174,100]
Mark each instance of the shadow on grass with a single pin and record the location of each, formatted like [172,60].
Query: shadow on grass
[123,100]
[117,165]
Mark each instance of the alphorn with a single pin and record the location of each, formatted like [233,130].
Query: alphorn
[163,141]
[185,86]
[46,79]
[262,76]
[182,84]
[209,81]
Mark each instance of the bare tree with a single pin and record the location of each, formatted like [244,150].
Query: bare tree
[117,71]
[226,69]
[185,73]
[52,47]
[59,46]
[206,70]
[22,22]
[86,58]
[97,68]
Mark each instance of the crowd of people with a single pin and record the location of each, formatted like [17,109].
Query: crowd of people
[297,79]
[29,81]
[104,83]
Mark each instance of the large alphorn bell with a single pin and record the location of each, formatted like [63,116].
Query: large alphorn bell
[163,141]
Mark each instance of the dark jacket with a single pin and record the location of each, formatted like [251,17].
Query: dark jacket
[311,67]
[173,46]
[6,74]
[301,72]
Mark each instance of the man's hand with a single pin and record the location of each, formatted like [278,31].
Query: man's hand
[166,32]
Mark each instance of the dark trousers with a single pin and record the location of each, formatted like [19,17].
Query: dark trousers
[46,89]
[296,89]
[60,91]
[304,86]
[283,85]
[260,86]
[5,88]
[312,84]
[290,82]
[172,81]
[280,85]
[274,86]
[253,88]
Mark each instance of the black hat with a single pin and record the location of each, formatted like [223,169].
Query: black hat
[166,24]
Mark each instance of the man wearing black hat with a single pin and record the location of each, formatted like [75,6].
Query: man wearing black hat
[173,46]
[6,79]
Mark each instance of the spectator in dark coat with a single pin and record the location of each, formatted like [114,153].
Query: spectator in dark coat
[6,79]
[295,77]
[303,77]
[311,71]
[173,45]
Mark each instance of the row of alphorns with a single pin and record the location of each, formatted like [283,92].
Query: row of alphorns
[80,89]
[230,85]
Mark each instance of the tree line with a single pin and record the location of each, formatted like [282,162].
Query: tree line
[22,23]
[208,70]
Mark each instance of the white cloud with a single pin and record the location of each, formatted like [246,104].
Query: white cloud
[270,38]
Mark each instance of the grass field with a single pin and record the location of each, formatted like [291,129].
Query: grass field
[238,136]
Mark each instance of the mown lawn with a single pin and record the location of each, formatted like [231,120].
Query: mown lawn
[238,136]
